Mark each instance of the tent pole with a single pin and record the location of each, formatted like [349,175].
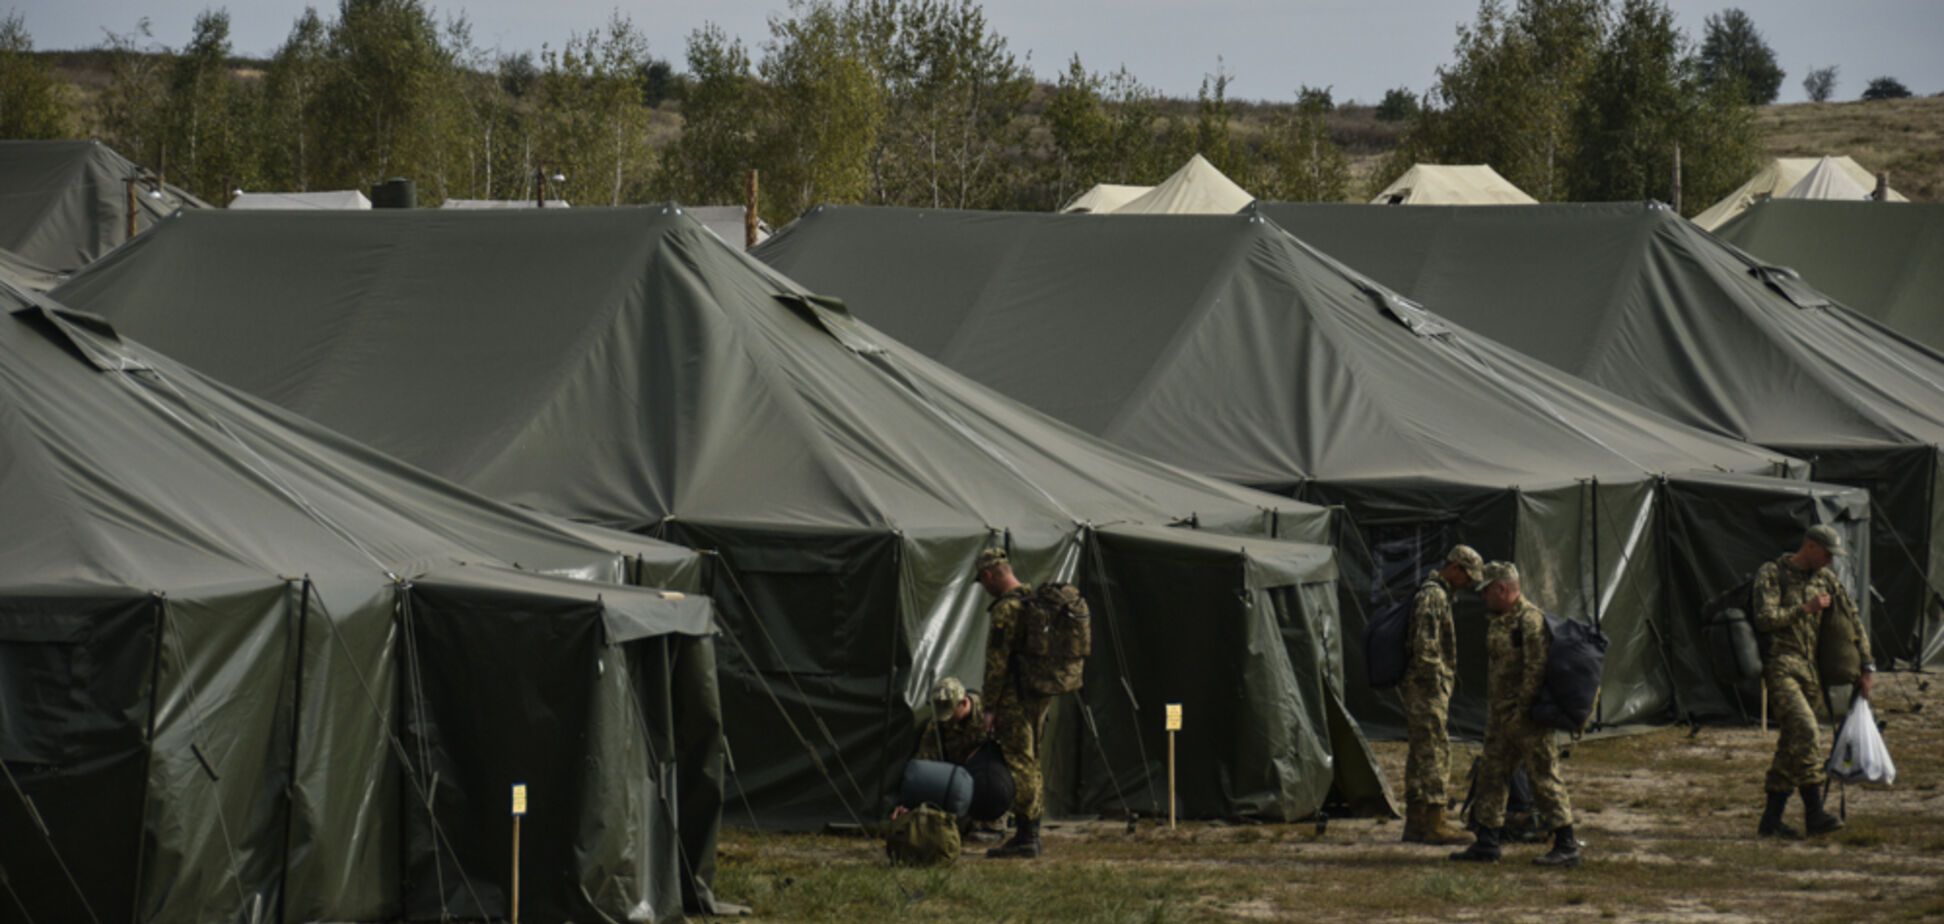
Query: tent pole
[1677,178]
[148,753]
[296,728]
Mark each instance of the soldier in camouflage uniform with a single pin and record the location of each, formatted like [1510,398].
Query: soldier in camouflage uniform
[957,727]
[1792,596]
[1431,667]
[1018,718]
[1516,639]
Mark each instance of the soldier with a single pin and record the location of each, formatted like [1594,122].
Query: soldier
[1515,643]
[1426,689]
[957,727]
[1017,718]
[1793,594]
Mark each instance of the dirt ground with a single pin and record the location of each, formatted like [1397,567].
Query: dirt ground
[1667,816]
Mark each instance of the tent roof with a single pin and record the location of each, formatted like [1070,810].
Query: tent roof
[1226,344]
[1105,197]
[1885,260]
[621,366]
[1777,178]
[126,470]
[23,273]
[1828,180]
[67,201]
[1452,184]
[727,223]
[1196,189]
[327,199]
[501,204]
[1635,299]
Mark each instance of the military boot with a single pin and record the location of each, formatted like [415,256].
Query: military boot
[1413,823]
[1814,817]
[1772,824]
[1483,850]
[1434,829]
[1025,843]
[1565,853]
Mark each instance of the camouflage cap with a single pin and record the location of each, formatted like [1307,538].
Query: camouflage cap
[992,555]
[946,694]
[1499,571]
[1828,538]
[1466,557]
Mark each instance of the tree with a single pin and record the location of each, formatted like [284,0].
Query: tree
[1077,123]
[821,113]
[1733,51]
[953,94]
[33,104]
[1318,99]
[207,113]
[391,101]
[1305,165]
[290,88]
[1820,84]
[592,121]
[1399,105]
[1645,97]
[1886,88]
[717,147]
[134,105]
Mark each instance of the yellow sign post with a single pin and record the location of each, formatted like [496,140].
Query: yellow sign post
[519,811]
[1174,725]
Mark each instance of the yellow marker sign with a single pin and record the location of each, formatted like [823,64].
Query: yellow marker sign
[1174,717]
[519,798]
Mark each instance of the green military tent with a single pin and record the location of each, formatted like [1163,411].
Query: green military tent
[251,670]
[1226,345]
[1633,298]
[67,202]
[626,367]
[1886,262]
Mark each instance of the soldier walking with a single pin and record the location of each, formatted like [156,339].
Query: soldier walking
[1793,595]
[1516,640]
[1017,716]
[1429,672]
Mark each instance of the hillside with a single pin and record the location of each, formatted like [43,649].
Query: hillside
[1904,136]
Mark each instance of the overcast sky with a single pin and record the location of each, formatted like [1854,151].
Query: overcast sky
[1361,47]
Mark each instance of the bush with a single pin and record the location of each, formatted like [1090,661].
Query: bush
[1886,88]
[1820,84]
[1398,105]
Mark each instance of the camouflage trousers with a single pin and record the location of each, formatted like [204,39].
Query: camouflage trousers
[1427,703]
[1510,740]
[1018,727]
[1798,752]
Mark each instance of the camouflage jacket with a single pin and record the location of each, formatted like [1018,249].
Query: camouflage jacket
[1780,589]
[1515,652]
[1000,690]
[1433,642]
[954,739]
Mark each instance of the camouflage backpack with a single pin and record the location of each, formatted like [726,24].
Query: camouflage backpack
[1055,638]
[924,836]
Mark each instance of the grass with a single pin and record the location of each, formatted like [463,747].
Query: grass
[1904,137]
[1667,819]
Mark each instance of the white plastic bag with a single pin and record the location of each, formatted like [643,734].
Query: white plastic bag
[1859,755]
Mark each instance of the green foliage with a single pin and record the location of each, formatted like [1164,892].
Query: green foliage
[1820,85]
[289,111]
[717,147]
[1885,88]
[1303,164]
[821,107]
[33,104]
[390,101]
[1733,51]
[208,113]
[591,123]
[954,96]
[1398,105]
[135,103]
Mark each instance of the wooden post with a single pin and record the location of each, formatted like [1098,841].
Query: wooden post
[519,811]
[1765,707]
[131,206]
[1882,193]
[1677,178]
[1174,725]
[540,186]
[751,217]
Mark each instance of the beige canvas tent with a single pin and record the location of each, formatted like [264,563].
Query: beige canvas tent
[1196,189]
[1780,179]
[1105,197]
[1452,184]
[501,204]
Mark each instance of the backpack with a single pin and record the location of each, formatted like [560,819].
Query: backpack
[924,836]
[1838,662]
[1575,660]
[1736,649]
[1386,652]
[1055,638]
